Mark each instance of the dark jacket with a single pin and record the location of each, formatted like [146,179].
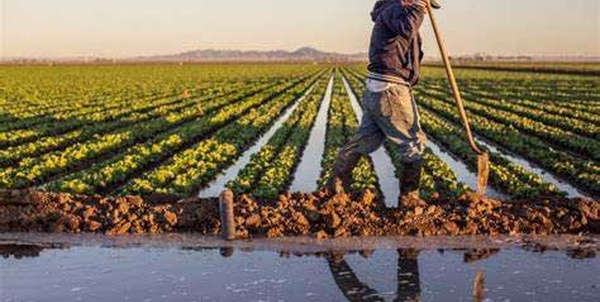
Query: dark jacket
[395,53]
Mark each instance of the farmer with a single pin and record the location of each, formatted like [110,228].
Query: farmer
[390,113]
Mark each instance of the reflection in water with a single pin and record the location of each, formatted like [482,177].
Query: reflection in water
[20,251]
[581,253]
[348,282]
[479,287]
[408,277]
[479,254]
[110,272]
[226,252]
[409,283]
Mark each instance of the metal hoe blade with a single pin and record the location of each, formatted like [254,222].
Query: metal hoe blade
[483,172]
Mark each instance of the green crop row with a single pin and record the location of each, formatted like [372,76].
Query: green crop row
[89,112]
[547,88]
[13,155]
[192,169]
[103,176]
[505,176]
[586,147]
[37,170]
[566,123]
[270,171]
[570,98]
[57,124]
[579,171]
[39,91]
[341,126]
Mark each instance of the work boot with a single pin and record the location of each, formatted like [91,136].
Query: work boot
[341,180]
[410,180]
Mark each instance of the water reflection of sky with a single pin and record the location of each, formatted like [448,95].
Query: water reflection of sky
[196,274]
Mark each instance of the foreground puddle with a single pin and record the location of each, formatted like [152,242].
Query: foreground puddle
[187,268]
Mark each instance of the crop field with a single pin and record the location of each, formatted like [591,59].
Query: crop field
[180,130]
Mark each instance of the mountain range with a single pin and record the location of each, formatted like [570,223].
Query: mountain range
[213,55]
[304,54]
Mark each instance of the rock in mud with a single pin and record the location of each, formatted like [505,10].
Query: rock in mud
[136,201]
[93,225]
[253,222]
[321,235]
[170,217]
[122,228]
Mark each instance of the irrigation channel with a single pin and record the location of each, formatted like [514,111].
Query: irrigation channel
[571,191]
[217,186]
[88,267]
[462,172]
[307,173]
[544,174]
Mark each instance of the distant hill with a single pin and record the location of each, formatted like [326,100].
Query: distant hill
[211,55]
[304,54]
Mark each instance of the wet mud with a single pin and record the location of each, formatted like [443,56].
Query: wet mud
[321,215]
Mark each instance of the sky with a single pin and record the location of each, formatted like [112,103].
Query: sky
[123,28]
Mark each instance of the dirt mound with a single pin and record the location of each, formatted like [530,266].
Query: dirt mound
[340,215]
[53,212]
[321,214]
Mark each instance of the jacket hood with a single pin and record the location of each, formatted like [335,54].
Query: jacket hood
[379,7]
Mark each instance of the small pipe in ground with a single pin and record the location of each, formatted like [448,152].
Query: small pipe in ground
[227,216]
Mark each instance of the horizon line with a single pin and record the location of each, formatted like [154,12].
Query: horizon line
[133,56]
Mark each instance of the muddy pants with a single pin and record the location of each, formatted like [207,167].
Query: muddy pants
[390,114]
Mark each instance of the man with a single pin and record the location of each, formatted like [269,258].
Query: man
[390,110]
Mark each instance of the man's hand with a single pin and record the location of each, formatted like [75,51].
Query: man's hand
[424,3]
[422,6]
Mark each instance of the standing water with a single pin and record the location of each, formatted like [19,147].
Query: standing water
[217,186]
[188,268]
[462,172]
[571,191]
[309,169]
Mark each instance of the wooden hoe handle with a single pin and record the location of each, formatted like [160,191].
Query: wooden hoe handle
[452,80]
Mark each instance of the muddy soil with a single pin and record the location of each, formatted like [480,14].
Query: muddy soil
[321,214]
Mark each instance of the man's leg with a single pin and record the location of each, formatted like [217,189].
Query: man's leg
[398,118]
[409,281]
[368,139]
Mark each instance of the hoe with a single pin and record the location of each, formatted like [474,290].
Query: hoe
[483,161]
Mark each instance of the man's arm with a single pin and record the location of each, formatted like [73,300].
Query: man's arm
[406,21]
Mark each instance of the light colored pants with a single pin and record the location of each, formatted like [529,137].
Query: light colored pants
[390,114]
